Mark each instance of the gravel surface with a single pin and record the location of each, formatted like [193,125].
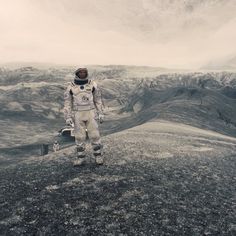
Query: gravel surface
[160,178]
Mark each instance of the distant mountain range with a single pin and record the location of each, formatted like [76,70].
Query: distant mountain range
[224,64]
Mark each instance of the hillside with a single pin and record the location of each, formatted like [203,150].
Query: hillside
[169,144]
[160,178]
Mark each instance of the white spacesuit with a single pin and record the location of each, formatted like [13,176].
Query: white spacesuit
[82,108]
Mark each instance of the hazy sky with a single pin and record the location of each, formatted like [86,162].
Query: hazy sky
[166,33]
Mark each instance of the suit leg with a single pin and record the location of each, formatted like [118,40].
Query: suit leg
[80,133]
[94,134]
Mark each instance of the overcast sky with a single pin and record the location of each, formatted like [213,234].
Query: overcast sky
[166,33]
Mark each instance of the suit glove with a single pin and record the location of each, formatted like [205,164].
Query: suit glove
[70,122]
[100,118]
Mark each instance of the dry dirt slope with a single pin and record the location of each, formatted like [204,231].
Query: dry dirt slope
[160,178]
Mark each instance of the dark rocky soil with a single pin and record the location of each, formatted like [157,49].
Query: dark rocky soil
[157,180]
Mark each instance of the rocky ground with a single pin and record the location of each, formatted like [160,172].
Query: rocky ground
[159,178]
[170,147]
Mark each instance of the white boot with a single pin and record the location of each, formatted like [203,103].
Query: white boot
[99,160]
[79,161]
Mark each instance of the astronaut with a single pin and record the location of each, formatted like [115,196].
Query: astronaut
[82,108]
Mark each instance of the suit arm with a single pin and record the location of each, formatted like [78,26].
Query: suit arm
[97,98]
[68,97]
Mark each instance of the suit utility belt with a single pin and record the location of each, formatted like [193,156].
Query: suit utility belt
[83,108]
